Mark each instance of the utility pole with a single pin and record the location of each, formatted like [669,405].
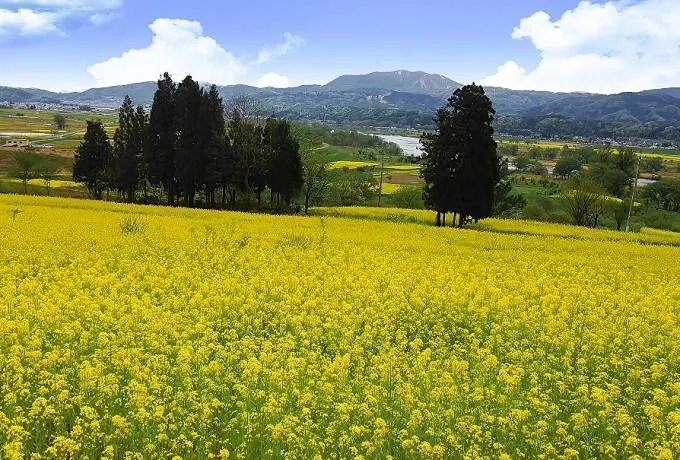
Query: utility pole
[382,169]
[632,198]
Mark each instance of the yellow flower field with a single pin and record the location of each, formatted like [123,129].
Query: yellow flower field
[350,164]
[148,332]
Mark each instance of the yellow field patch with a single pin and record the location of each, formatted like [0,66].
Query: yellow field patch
[403,167]
[388,189]
[352,164]
[53,183]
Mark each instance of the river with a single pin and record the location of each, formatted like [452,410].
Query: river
[410,145]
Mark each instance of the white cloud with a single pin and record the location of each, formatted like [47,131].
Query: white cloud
[61,5]
[41,17]
[178,46]
[273,80]
[291,43]
[612,47]
[99,19]
[24,22]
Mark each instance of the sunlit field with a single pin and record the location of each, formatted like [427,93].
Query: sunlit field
[146,332]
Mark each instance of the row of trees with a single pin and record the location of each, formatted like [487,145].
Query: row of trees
[664,194]
[186,148]
[557,126]
[614,171]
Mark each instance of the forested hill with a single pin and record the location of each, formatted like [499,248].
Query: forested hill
[408,100]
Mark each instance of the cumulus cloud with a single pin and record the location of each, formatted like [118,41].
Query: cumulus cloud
[25,22]
[607,48]
[291,43]
[273,80]
[178,46]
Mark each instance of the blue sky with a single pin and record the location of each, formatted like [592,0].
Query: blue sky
[599,46]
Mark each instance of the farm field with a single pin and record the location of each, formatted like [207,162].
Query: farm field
[37,126]
[147,332]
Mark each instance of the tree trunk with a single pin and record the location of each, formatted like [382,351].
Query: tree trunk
[438,222]
[171,192]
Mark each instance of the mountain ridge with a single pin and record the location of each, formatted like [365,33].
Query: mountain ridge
[399,98]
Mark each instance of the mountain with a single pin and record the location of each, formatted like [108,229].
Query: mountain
[407,99]
[675,92]
[633,107]
[141,93]
[8,94]
[400,80]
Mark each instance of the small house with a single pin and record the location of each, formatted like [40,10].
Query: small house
[17,143]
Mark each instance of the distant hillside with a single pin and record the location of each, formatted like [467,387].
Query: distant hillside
[674,92]
[17,95]
[633,107]
[141,93]
[407,99]
[400,80]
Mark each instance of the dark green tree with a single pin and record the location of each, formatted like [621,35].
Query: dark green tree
[212,136]
[159,150]
[478,172]
[59,122]
[439,163]
[461,162]
[614,180]
[229,173]
[285,164]
[567,166]
[127,148]
[246,154]
[664,194]
[522,162]
[189,155]
[93,159]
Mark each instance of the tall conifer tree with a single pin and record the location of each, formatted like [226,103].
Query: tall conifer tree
[159,151]
[93,160]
